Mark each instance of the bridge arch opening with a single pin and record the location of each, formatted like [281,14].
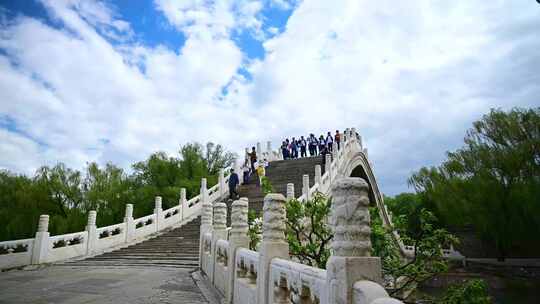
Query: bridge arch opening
[359,171]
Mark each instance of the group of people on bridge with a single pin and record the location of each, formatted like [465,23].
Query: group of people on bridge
[315,146]
[290,150]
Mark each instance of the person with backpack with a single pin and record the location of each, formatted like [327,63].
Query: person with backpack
[233,183]
[322,144]
[312,145]
[294,148]
[284,150]
[329,142]
[253,158]
[337,138]
[303,145]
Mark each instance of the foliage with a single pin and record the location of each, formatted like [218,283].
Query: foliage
[308,232]
[254,230]
[492,182]
[266,186]
[67,195]
[427,260]
[470,292]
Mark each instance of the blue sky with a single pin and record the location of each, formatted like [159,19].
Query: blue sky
[113,81]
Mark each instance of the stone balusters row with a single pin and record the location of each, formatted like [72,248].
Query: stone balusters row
[352,275]
[42,241]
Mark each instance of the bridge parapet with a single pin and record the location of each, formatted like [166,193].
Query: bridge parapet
[269,276]
[96,240]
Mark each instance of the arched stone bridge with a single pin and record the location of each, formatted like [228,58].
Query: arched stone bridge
[135,240]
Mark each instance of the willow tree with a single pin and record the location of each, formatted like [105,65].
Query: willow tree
[493,181]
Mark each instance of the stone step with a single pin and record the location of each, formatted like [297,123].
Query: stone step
[139,258]
[171,264]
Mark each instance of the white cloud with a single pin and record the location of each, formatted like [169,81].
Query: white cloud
[411,77]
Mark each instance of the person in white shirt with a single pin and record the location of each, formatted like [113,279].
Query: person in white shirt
[329,142]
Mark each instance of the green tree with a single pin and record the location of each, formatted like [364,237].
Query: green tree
[427,260]
[308,232]
[107,191]
[67,195]
[217,158]
[493,182]
[469,292]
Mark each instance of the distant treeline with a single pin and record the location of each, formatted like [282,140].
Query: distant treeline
[491,184]
[67,195]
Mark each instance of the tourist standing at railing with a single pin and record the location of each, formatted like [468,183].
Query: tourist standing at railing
[322,152]
[337,138]
[233,183]
[312,140]
[285,150]
[253,158]
[294,148]
[303,145]
[322,144]
[329,142]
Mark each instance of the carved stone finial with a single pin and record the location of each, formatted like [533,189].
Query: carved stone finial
[158,202]
[220,216]
[92,218]
[129,211]
[182,195]
[349,218]
[318,174]
[239,218]
[206,217]
[43,224]
[290,191]
[273,228]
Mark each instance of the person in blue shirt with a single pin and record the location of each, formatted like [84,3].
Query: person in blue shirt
[233,183]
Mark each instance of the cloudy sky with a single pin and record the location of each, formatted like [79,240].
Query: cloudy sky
[117,80]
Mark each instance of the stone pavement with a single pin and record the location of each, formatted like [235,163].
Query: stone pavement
[70,284]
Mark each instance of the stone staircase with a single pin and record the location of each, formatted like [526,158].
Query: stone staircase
[280,173]
[178,248]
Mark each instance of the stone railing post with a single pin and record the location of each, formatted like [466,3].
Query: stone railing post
[221,181]
[346,135]
[305,187]
[259,152]
[130,223]
[290,191]
[353,134]
[273,244]
[91,233]
[318,175]
[328,166]
[219,232]
[238,238]
[182,202]
[41,241]
[334,150]
[204,190]
[351,246]
[206,226]
[158,211]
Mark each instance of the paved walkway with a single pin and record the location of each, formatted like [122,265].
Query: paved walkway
[69,284]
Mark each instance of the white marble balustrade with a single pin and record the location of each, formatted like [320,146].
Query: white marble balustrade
[95,240]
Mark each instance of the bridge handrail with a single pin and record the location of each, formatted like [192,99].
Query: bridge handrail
[95,240]
[270,276]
